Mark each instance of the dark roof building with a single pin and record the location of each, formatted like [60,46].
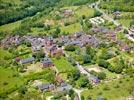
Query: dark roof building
[28,60]
[94,79]
[46,87]
[47,62]
[64,87]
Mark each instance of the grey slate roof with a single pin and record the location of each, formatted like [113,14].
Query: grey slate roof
[45,87]
[64,87]
[28,60]
[47,60]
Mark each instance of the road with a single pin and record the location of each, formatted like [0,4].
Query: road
[114,21]
[79,92]
[83,71]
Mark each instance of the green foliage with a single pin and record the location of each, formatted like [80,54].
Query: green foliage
[70,48]
[101,75]
[73,75]
[118,68]
[103,63]
[82,82]
[90,51]
[105,54]
[27,8]
[22,90]
[120,5]
[86,59]
[97,13]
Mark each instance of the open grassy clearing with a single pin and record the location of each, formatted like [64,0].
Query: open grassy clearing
[84,10]
[109,75]
[76,27]
[12,1]
[9,79]
[125,22]
[4,54]
[9,27]
[63,65]
[114,90]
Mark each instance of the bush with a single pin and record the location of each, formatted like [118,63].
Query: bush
[103,63]
[70,48]
[101,75]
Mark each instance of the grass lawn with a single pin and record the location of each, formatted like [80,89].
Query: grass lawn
[12,1]
[9,80]
[9,27]
[108,73]
[125,22]
[115,90]
[63,65]
[5,54]
[76,27]
[84,10]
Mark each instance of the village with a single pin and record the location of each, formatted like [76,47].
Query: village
[50,48]
[75,56]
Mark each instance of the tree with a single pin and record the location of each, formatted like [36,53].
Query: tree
[83,16]
[88,24]
[82,82]
[82,97]
[118,68]
[105,54]
[73,75]
[89,98]
[101,75]
[22,90]
[71,94]
[70,48]
[103,63]
[56,33]
[86,59]
[90,51]
[97,13]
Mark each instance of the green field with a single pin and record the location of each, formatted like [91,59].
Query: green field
[76,27]
[84,10]
[125,22]
[115,90]
[9,27]
[63,65]
[9,79]
[4,54]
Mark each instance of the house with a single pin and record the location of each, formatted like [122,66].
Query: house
[46,87]
[57,52]
[117,13]
[94,79]
[36,48]
[100,98]
[28,60]
[46,62]
[78,34]
[64,87]
[119,28]
[68,13]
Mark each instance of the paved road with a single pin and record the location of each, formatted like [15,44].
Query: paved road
[114,21]
[79,92]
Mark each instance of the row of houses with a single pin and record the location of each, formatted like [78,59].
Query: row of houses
[45,62]
[60,85]
[7,42]
[80,39]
